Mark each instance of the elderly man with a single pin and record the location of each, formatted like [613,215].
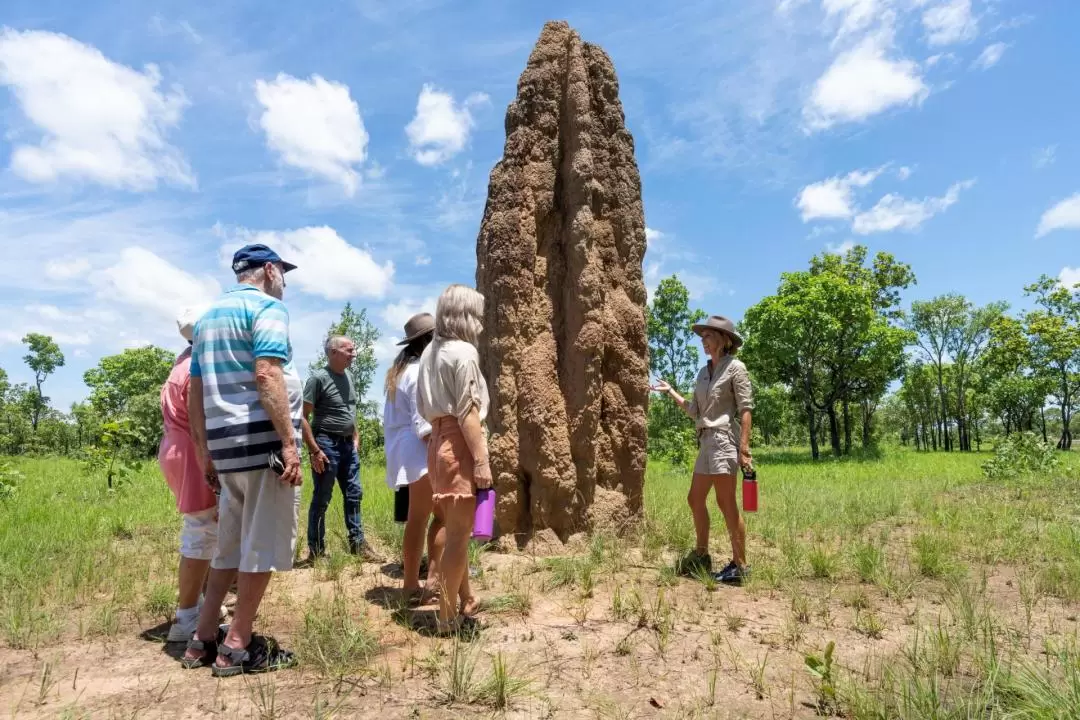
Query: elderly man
[331,396]
[245,412]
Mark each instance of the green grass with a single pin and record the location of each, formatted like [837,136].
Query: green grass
[907,539]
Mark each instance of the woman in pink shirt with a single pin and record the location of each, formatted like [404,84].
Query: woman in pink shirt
[190,483]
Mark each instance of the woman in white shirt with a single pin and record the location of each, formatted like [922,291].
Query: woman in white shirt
[407,434]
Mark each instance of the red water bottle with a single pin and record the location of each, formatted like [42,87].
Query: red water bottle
[749,490]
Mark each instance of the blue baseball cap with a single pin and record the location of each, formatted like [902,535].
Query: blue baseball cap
[257,255]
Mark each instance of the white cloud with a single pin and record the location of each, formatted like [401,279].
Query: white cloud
[990,56]
[66,269]
[949,22]
[441,127]
[893,212]
[1045,157]
[144,281]
[839,249]
[1063,216]
[862,82]
[652,235]
[834,197]
[855,15]
[1069,277]
[327,265]
[99,120]
[938,58]
[904,172]
[423,260]
[395,315]
[314,125]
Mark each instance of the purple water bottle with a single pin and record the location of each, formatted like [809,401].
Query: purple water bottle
[484,519]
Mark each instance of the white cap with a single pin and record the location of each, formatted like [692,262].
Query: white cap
[187,319]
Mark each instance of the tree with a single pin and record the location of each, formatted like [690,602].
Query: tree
[44,358]
[355,325]
[673,357]
[673,353]
[933,321]
[965,343]
[1054,330]
[128,386]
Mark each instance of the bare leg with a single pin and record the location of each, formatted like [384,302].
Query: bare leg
[217,584]
[697,499]
[251,588]
[192,578]
[725,498]
[453,565]
[436,542]
[420,506]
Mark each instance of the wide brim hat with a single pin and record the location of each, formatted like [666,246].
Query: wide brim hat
[186,320]
[418,326]
[719,323]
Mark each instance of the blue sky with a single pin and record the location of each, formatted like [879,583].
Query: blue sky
[144,141]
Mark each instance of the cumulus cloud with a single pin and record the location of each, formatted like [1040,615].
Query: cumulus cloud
[395,315]
[853,15]
[949,22]
[140,279]
[441,127]
[327,265]
[1069,277]
[99,120]
[833,198]
[862,82]
[1063,216]
[990,56]
[314,125]
[841,248]
[893,212]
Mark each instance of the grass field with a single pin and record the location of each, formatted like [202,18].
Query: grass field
[942,595]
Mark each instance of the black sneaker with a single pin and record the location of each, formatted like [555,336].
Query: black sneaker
[694,563]
[733,574]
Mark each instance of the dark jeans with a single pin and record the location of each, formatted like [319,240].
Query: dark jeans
[342,465]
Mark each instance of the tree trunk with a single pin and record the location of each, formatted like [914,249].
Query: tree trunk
[812,426]
[834,430]
[847,427]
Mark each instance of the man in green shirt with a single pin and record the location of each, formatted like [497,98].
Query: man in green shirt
[335,456]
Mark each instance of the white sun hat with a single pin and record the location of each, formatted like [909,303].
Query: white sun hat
[187,319]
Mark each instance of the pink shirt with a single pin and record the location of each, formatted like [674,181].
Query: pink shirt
[176,455]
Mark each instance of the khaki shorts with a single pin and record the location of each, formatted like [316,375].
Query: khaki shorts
[256,522]
[198,538]
[717,452]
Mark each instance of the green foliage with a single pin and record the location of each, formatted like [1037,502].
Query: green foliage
[9,480]
[118,456]
[1019,455]
[673,357]
[1054,332]
[43,359]
[821,668]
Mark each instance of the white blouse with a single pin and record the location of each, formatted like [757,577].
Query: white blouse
[405,430]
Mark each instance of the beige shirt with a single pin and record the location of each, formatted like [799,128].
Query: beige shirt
[449,381]
[718,402]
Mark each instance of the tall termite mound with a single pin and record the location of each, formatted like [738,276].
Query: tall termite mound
[559,261]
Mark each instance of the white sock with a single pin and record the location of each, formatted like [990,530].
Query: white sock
[186,616]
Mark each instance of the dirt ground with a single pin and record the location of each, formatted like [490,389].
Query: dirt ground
[644,644]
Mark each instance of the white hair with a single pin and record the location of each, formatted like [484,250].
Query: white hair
[252,275]
[459,314]
[334,342]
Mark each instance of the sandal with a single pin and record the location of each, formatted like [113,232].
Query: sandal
[462,625]
[208,648]
[421,596]
[261,655]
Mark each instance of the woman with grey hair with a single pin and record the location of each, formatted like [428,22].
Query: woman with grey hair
[721,409]
[452,395]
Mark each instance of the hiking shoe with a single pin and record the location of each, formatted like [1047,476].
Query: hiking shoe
[693,563]
[733,574]
[365,552]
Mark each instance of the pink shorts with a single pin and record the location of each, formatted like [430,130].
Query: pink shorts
[450,464]
[180,465]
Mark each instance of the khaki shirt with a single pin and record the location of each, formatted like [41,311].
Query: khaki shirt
[719,402]
[450,382]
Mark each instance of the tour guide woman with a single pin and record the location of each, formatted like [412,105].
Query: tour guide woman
[720,407]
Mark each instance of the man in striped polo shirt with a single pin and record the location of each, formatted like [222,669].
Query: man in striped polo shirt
[245,411]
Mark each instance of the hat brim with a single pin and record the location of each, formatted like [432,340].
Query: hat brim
[286,267]
[415,336]
[736,339]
